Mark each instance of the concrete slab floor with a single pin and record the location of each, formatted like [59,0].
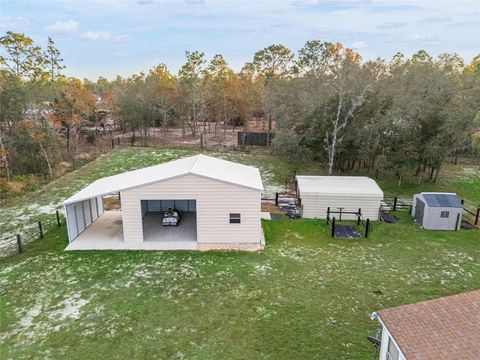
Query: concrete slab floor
[154,231]
[106,233]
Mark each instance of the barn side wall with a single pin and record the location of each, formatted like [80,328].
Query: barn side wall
[215,201]
[81,215]
[433,221]
[315,205]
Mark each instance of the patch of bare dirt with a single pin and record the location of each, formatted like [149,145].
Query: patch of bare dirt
[111,203]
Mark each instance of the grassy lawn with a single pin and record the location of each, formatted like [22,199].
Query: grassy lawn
[306,296]
[22,212]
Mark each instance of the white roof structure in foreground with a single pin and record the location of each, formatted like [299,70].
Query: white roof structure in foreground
[200,165]
[339,185]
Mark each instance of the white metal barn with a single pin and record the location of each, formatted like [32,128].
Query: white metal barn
[347,193]
[219,202]
[437,211]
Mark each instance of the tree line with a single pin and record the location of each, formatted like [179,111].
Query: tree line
[405,116]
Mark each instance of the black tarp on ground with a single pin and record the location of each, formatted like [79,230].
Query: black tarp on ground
[388,218]
[344,231]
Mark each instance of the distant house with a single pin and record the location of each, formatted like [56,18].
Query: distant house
[443,329]
[215,203]
[350,193]
[437,211]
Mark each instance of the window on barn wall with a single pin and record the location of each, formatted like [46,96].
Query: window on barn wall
[445,214]
[235,218]
[392,353]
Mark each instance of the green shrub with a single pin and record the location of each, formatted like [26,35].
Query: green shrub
[288,144]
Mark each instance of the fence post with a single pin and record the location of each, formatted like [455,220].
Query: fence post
[19,244]
[201,140]
[333,227]
[395,203]
[40,228]
[58,219]
[367,227]
[113,144]
[360,211]
[463,202]
[358,220]
[477,216]
[328,212]
[276,199]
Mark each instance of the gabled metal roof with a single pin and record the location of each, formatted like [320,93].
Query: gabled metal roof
[442,200]
[338,185]
[200,165]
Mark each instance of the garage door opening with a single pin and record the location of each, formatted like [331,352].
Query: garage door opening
[169,220]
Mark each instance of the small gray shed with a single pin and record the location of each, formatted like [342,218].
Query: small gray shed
[437,211]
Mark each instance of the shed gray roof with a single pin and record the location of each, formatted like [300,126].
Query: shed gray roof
[442,200]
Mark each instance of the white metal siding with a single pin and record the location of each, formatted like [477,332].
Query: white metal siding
[81,215]
[71,221]
[215,200]
[100,205]
[87,212]
[80,219]
[433,221]
[93,206]
[315,205]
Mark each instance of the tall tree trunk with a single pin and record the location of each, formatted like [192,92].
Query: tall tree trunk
[5,156]
[269,131]
[45,155]
[68,139]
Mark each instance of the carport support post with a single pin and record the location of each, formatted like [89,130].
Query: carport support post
[40,228]
[58,218]
[394,203]
[333,226]
[367,227]
[19,243]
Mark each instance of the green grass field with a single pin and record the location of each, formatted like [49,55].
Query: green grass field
[307,296]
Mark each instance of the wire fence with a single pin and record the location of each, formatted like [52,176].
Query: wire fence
[396,204]
[364,225]
[15,244]
[474,213]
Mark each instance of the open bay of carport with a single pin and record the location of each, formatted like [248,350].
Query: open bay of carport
[154,231]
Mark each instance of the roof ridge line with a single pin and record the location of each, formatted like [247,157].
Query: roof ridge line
[194,164]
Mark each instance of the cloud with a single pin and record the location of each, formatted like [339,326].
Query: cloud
[438,18]
[391,25]
[63,26]
[105,36]
[11,22]
[421,38]
[359,44]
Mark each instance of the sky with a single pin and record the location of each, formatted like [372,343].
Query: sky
[123,37]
